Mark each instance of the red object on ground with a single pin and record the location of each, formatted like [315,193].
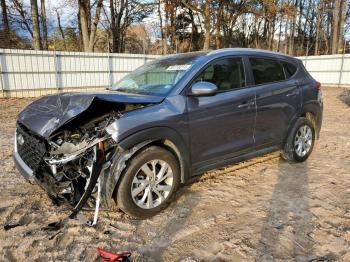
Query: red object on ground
[108,256]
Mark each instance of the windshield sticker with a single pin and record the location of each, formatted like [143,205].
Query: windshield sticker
[178,67]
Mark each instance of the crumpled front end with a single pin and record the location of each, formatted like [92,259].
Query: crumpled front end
[68,163]
[80,162]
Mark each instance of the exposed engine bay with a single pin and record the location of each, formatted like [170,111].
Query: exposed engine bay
[80,162]
[73,155]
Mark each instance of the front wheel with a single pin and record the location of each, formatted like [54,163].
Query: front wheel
[149,182]
[300,141]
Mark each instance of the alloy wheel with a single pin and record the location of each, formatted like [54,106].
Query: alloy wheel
[303,140]
[152,184]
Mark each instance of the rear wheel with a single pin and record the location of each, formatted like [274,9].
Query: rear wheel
[149,182]
[300,141]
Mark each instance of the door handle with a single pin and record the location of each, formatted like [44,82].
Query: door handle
[246,104]
[294,93]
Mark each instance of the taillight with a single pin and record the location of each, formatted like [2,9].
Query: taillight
[318,85]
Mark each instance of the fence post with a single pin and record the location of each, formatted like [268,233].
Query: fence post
[305,62]
[4,75]
[342,64]
[110,67]
[307,54]
[56,71]
[1,82]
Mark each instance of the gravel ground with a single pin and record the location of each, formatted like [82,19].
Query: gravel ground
[263,209]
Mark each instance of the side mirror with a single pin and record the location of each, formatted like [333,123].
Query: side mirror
[203,88]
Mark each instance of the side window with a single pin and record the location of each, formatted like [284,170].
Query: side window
[289,69]
[266,70]
[226,74]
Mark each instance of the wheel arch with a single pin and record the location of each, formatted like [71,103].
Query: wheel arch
[164,137]
[313,112]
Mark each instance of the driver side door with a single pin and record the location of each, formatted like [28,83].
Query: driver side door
[222,126]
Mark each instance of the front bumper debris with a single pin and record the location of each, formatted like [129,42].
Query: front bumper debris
[23,169]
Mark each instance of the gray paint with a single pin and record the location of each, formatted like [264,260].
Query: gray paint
[206,131]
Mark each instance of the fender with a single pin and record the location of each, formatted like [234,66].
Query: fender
[316,109]
[130,146]
[170,138]
[313,107]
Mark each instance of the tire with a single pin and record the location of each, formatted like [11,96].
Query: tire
[135,179]
[291,151]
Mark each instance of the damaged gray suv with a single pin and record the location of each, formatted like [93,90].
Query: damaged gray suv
[167,121]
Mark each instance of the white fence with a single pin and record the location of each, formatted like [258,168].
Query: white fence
[332,70]
[25,73]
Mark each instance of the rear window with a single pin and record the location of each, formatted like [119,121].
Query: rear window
[289,69]
[266,70]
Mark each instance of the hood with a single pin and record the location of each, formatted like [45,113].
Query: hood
[47,114]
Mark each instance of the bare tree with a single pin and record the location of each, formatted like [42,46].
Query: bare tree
[89,33]
[116,20]
[204,10]
[5,17]
[335,26]
[164,42]
[6,23]
[94,25]
[297,27]
[83,15]
[36,29]
[43,23]
[318,26]
[342,19]
[61,29]
[21,17]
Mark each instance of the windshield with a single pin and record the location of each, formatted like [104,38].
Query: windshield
[155,78]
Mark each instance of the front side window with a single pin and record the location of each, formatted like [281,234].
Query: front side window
[156,78]
[226,74]
[266,70]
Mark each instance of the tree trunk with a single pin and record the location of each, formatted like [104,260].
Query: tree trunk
[61,30]
[292,34]
[218,26]
[279,34]
[94,26]
[207,25]
[80,33]
[5,17]
[43,22]
[342,19]
[6,24]
[116,24]
[84,24]
[303,31]
[318,27]
[335,25]
[36,29]
[272,33]
[166,29]
[88,11]
[161,25]
[113,27]
[194,32]
[172,26]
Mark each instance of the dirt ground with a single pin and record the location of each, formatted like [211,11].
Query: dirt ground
[264,209]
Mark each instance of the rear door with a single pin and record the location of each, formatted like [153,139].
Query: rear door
[277,98]
[221,126]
